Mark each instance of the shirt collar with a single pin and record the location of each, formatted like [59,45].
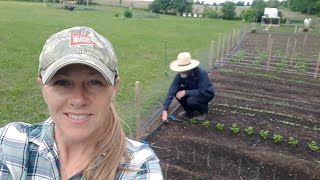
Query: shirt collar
[41,134]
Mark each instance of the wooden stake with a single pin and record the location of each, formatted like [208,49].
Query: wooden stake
[317,68]
[218,47]
[232,40]
[293,52]
[295,29]
[269,56]
[222,48]
[304,43]
[229,44]
[138,109]
[288,46]
[211,50]
[269,38]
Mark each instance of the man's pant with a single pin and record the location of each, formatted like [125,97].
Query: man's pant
[195,103]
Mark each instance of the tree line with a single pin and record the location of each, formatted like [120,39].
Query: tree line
[227,9]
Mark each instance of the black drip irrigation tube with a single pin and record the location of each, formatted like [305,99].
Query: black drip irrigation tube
[145,140]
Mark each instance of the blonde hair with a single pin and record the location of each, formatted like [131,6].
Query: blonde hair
[110,151]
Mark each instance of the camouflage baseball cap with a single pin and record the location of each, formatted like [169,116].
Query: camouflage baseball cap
[77,45]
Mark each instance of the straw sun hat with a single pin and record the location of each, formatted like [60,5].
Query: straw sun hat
[183,63]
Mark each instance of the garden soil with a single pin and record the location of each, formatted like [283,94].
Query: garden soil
[286,104]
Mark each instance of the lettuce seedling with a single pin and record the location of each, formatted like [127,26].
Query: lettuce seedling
[206,123]
[264,134]
[220,126]
[193,120]
[277,138]
[234,128]
[293,142]
[249,131]
[313,146]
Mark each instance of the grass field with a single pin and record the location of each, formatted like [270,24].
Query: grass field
[139,44]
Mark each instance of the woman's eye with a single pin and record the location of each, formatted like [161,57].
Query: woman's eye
[95,82]
[62,83]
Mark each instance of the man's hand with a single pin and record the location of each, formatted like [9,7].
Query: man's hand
[164,116]
[180,94]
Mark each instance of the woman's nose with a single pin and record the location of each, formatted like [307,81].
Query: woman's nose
[79,96]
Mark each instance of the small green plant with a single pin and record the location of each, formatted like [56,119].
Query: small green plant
[117,14]
[313,146]
[127,13]
[293,142]
[220,126]
[239,56]
[260,58]
[234,128]
[249,131]
[300,66]
[206,123]
[264,134]
[193,120]
[282,64]
[277,138]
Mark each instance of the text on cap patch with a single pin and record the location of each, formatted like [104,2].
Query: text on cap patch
[79,39]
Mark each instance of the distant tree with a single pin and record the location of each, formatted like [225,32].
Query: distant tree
[248,4]
[214,4]
[228,10]
[305,6]
[197,2]
[181,6]
[209,12]
[283,3]
[202,2]
[273,3]
[155,6]
[258,8]
[161,6]
[248,15]
[240,3]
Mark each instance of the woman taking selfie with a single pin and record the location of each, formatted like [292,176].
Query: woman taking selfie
[82,138]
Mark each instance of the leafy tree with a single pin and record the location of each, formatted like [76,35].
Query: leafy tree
[248,15]
[248,4]
[181,6]
[240,3]
[258,7]
[273,3]
[209,12]
[161,6]
[228,10]
[155,6]
[306,6]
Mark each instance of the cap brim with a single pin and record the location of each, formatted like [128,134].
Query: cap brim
[91,61]
[175,67]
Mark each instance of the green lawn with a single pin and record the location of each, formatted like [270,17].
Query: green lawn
[139,44]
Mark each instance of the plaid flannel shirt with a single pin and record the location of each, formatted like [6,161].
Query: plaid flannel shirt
[28,151]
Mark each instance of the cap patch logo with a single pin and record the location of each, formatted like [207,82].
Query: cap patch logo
[79,39]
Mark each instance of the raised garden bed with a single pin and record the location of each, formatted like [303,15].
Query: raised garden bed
[283,104]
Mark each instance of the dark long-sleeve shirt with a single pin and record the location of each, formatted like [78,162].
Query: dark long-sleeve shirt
[196,84]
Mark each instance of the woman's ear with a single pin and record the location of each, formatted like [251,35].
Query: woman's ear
[117,82]
[40,82]
[116,85]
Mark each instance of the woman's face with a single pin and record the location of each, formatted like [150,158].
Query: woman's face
[78,99]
